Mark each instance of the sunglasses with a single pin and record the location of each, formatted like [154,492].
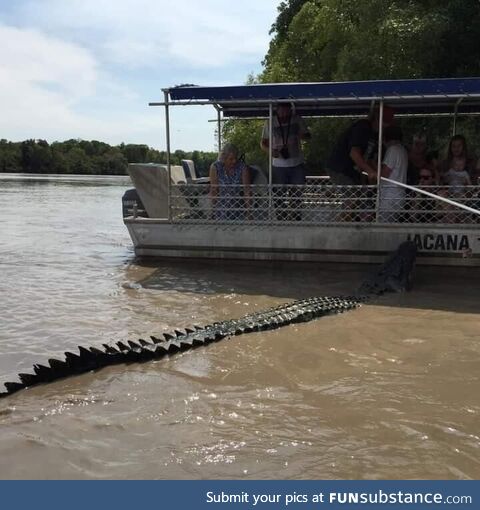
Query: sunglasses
[425,177]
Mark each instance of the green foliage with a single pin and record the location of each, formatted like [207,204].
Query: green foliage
[9,157]
[88,157]
[342,40]
[315,40]
[245,134]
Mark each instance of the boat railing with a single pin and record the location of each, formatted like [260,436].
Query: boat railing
[321,204]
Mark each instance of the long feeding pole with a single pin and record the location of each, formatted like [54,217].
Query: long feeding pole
[432,195]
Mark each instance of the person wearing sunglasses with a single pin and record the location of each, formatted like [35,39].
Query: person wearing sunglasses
[426,206]
[425,178]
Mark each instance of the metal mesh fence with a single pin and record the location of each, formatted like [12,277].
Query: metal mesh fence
[319,203]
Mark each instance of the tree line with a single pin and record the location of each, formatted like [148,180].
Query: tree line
[311,41]
[88,157]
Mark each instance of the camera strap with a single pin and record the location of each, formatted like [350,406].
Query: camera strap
[287,134]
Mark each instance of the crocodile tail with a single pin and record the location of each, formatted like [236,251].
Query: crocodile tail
[93,358]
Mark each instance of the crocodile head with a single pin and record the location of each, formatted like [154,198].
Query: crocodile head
[395,275]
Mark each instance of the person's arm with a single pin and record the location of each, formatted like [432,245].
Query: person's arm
[442,171]
[246,185]
[357,158]
[304,131]
[386,171]
[265,144]
[359,140]
[265,140]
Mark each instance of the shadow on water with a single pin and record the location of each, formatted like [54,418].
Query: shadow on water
[451,289]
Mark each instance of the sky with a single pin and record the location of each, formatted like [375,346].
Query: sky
[88,68]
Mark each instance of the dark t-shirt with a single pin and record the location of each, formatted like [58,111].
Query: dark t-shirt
[358,135]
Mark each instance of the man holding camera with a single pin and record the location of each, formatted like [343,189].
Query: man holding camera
[288,131]
[288,164]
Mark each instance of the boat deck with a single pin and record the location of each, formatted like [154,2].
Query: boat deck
[309,223]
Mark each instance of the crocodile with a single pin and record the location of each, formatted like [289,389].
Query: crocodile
[394,275]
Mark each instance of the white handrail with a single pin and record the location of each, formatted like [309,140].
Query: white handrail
[432,195]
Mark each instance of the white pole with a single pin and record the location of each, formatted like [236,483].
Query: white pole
[379,159]
[270,154]
[457,104]
[219,127]
[432,195]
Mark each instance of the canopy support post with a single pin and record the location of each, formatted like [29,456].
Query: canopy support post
[270,154]
[219,128]
[169,170]
[455,112]
[379,160]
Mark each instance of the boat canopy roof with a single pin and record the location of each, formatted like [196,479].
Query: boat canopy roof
[440,96]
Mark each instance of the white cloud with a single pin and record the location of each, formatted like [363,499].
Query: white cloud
[40,78]
[87,68]
[43,82]
[149,33]
[33,57]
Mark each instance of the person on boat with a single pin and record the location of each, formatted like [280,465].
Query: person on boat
[394,167]
[288,166]
[426,205]
[417,157]
[433,164]
[229,185]
[457,177]
[476,174]
[457,156]
[348,163]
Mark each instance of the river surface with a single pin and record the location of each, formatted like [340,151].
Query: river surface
[388,391]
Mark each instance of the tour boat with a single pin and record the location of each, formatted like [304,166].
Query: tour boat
[171,214]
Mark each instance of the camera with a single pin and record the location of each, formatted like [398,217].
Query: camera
[284,152]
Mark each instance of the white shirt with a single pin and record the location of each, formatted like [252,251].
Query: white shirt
[396,158]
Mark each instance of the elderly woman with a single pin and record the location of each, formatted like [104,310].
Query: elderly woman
[230,199]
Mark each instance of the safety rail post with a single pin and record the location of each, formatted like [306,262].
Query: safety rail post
[219,128]
[270,155]
[455,113]
[379,160]
[169,170]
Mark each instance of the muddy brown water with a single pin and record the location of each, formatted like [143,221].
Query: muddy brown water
[388,391]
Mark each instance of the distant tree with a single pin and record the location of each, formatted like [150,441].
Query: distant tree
[135,153]
[10,159]
[78,162]
[36,156]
